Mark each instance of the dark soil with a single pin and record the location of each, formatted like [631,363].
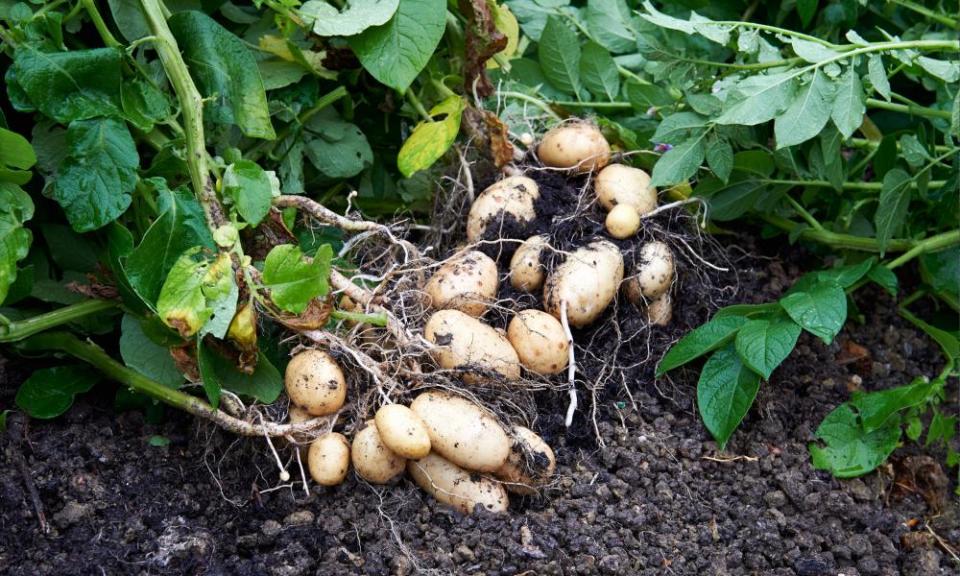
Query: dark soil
[655,498]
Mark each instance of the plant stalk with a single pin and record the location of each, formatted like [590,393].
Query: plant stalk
[931,244]
[908,109]
[21,329]
[843,241]
[91,7]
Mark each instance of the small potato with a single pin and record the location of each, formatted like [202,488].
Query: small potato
[456,487]
[466,282]
[531,462]
[297,415]
[654,273]
[315,382]
[587,280]
[576,145]
[540,342]
[514,195]
[660,310]
[373,461]
[329,459]
[402,431]
[618,184]
[526,272]
[462,432]
[622,222]
[463,341]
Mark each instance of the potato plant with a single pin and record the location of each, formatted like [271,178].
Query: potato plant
[383,235]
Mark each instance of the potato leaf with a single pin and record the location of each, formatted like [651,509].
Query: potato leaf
[559,56]
[431,140]
[49,392]
[851,451]
[820,310]
[196,292]
[145,356]
[358,15]
[725,392]
[894,200]
[701,340]
[250,189]
[764,343]
[292,279]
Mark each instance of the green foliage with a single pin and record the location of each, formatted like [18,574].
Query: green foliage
[49,392]
[431,139]
[293,279]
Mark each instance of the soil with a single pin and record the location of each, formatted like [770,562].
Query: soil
[652,495]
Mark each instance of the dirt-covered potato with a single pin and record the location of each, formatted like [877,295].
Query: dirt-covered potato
[618,184]
[315,382]
[623,221]
[653,275]
[578,146]
[587,280]
[463,342]
[402,431]
[660,310]
[329,459]
[531,462]
[462,432]
[373,461]
[466,282]
[526,272]
[454,486]
[540,342]
[514,196]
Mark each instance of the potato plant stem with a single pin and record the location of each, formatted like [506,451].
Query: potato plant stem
[20,329]
[837,240]
[91,7]
[908,109]
[931,244]
[933,184]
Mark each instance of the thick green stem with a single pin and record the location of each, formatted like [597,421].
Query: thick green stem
[908,109]
[532,100]
[359,317]
[933,184]
[843,241]
[931,14]
[20,329]
[91,7]
[931,244]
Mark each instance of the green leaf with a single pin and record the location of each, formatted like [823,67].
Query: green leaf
[599,72]
[16,151]
[144,105]
[645,96]
[765,343]
[849,105]
[806,9]
[98,175]
[68,86]
[913,151]
[878,75]
[609,24]
[356,17]
[894,200]
[679,164]
[16,207]
[226,73]
[757,99]
[719,155]
[559,55]
[337,148]
[246,183]
[701,340]
[876,408]
[158,441]
[729,201]
[533,14]
[851,451]
[941,270]
[847,276]
[206,365]
[49,392]
[949,343]
[219,373]
[885,278]
[820,310]
[198,292]
[949,72]
[143,355]
[725,392]
[180,226]
[679,127]
[292,280]
[431,140]
[942,428]
[808,112]
[397,51]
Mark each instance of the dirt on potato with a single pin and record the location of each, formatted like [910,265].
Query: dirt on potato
[650,495]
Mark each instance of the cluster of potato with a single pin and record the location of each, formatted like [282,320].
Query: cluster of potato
[441,440]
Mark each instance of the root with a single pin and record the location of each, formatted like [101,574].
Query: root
[572,365]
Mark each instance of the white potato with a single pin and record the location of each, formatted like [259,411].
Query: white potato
[315,382]
[454,486]
[622,221]
[526,271]
[462,432]
[466,282]
[329,459]
[654,273]
[530,465]
[514,195]
[463,342]
[587,281]
[402,431]
[373,461]
[660,310]
[578,146]
[618,184]
[540,342]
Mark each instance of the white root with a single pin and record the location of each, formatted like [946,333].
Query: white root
[303,474]
[284,475]
[572,365]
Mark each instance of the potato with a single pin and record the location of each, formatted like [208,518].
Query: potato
[576,145]
[315,382]
[463,341]
[329,459]
[514,195]
[622,222]
[660,310]
[526,272]
[654,273]
[373,461]
[466,282]
[531,462]
[462,432]
[456,487]
[402,431]
[618,184]
[587,280]
[297,415]
[540,342]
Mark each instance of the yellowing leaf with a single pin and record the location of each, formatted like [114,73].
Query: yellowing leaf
[507,24]
[430,140]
